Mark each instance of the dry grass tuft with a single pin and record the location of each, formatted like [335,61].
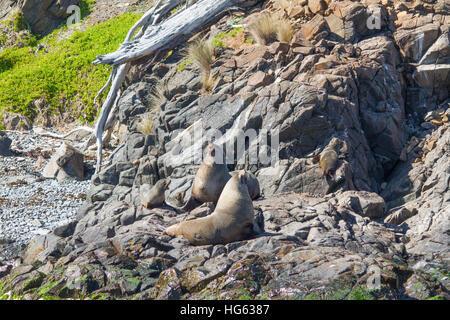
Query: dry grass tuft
[284,4]
[267,28]
[208,83]
[285,32]
[145,124]
[203,56]
[263,29]
[158,96]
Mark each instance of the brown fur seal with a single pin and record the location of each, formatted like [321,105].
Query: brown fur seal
[232,220]
[153,197]
[211,178]
[328,159]
[252,184]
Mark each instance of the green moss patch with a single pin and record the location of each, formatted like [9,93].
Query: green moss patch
[359,293]
[64,76]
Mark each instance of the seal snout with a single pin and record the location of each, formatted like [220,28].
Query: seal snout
[211,149]
[243,176]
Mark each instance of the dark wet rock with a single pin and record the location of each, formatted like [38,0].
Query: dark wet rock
[5,144]
[66,230]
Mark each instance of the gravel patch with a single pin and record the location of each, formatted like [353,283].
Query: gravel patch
[36,208]
[29,204]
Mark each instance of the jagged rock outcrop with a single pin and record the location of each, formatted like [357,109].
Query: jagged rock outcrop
[12,121]
[307,246]
[378,229]
[44,16]
[41,16]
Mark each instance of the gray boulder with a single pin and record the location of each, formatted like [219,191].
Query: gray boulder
[66,163]
[44,16]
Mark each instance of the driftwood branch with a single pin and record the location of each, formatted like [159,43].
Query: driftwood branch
[153,37]
[190,20]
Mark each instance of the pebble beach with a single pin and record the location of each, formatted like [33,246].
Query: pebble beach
[30,204]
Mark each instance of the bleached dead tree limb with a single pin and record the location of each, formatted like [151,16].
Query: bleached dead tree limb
[153,37]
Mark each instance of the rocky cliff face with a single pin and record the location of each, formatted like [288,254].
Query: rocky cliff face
[6,7]
[41,16]
[369,80]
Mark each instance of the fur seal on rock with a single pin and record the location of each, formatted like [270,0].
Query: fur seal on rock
[232,219]
[153,197]
[328,160]
[252,184]
[211,178]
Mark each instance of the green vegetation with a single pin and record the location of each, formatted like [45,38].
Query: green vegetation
[221,36]
[5,296]
[86,7]
[439,297]
[65,76]
[312,296]
[2,288]
[437,275]
[244,294]
[175,10]
[359,293]
[15,33]
[184,64]
[44,291]
[236,19]
[33,282]
[99,296]
[17,21]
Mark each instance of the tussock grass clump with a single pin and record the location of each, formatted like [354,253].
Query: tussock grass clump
[145,124]
[202,54]
[285,32]
[156,98]
[263,29]
[266,28]
[284,4]
[158,95]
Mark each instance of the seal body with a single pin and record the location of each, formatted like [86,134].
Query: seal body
[211,178]
[153,197]
[252,185]
[209,181]
[328,162]
[232,219]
